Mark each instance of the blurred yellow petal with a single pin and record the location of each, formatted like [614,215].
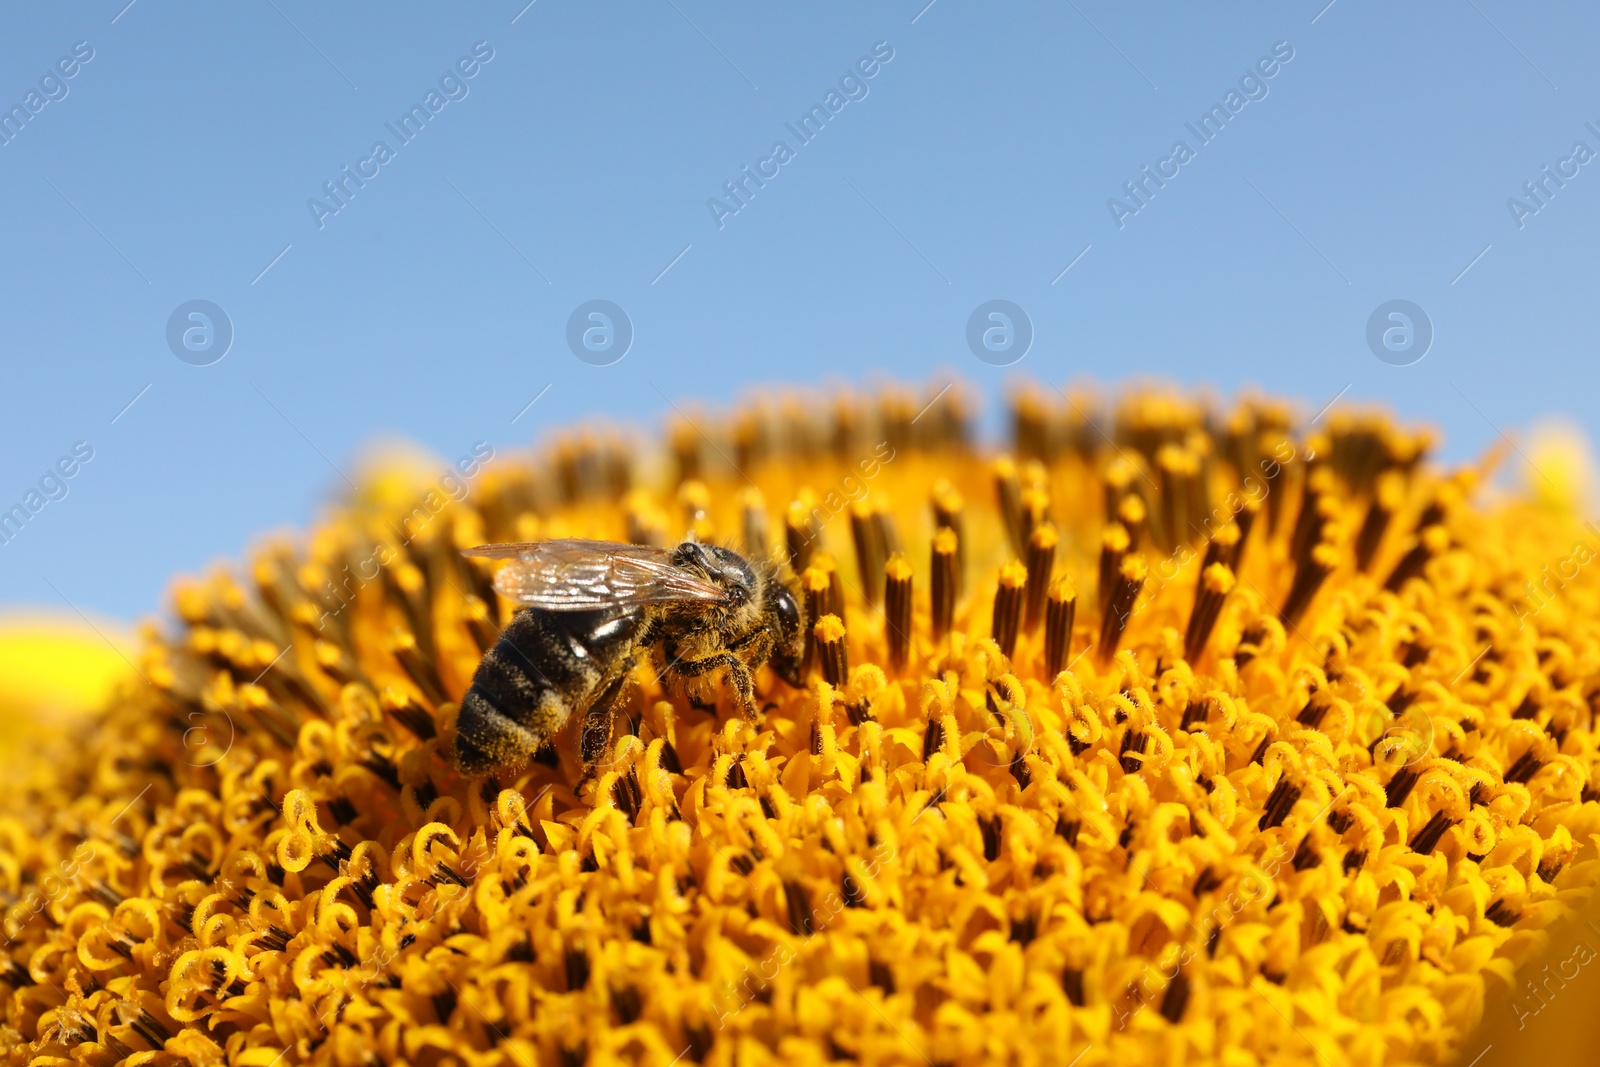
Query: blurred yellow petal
[56,665]
[1560,472]
[57,673]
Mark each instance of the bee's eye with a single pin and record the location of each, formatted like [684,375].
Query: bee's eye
[787,610]
[688,554]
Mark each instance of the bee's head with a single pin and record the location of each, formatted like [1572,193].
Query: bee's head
[762,598]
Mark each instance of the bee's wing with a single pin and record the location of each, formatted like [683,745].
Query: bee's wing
[577,575]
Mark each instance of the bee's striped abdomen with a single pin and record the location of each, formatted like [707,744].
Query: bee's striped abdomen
[546,667]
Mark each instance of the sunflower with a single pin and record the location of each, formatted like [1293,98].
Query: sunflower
[1169,733]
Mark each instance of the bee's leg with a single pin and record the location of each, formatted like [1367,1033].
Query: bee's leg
[753,649]
[744,682]
[670,661]
[758,642]
[595,734]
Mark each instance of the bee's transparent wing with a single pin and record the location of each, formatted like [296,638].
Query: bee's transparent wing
[577,575]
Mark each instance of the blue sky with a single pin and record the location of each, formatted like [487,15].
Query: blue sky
[578,161]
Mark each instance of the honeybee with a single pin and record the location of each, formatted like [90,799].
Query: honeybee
[590,609]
